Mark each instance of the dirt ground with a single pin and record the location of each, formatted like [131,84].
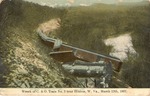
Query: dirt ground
[49,26]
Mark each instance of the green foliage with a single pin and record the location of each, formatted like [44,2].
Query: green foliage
[87,27]
[138,73]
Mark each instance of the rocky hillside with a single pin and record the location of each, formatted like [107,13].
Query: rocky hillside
[24,59]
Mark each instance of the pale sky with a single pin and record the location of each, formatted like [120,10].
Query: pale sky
[77,2]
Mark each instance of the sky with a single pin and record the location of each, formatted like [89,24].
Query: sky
[77,2]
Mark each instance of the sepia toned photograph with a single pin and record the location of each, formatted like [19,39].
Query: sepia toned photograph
[75,44]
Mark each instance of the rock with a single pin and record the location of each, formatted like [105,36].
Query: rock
[17,82]
[40,79]
[22,70]
[23,86]
[12,84]
[27,84]
[8,60]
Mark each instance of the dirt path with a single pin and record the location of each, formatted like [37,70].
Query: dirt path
[49,26]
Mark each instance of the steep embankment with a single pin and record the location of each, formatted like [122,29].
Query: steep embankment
[22,52]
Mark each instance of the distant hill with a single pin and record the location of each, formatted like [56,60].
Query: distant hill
[142,3]
[58,3]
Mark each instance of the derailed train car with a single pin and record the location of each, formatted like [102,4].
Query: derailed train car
[86,64]
[100,70]
[86,69]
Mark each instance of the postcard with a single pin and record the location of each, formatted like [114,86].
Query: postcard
[74,47]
